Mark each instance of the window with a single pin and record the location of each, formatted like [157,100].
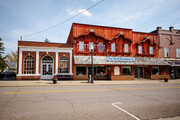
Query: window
[116,70]
[101,70]
[140,49]
[100,47]
[81,46]
[126,70]
[90,44]
[178,52]
[29,65]
[151,50]
[166,52]
[80,71]
[113,47]
[155,70]
[63,65]
[126,48]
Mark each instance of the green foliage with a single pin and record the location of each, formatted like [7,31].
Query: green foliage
[2,62]
[46,40]
[1,48]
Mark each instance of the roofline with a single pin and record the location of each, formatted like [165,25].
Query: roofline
[113,27]
[41,42]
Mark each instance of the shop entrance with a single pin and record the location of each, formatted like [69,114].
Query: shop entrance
[139,72]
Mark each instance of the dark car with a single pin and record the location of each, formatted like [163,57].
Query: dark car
[1,75]
[9,75]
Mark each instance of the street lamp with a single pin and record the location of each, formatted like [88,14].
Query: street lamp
[92,73]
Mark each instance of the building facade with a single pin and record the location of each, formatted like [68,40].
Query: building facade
[41,60]
[169,49]
[118,54]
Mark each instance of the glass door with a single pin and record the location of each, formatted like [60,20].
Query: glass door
[136,72]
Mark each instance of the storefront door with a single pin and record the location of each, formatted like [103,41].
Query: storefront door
[47,67]
[139,72]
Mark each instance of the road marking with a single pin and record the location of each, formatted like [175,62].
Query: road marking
[88,90]
[114,104]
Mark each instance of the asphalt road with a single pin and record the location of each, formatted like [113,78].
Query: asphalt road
[107,102]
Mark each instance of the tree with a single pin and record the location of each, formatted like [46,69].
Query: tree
[46,40]
[1,47]
[2,62]
[12,57]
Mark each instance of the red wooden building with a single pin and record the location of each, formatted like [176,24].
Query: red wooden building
[118,54]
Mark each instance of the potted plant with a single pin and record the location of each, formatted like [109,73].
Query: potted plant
[55,79]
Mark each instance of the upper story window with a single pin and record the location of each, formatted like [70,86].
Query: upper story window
[91,44]
[151,50]
[113,47]
[126,49]
[29,65]
[178,52]
[81,46]
[100,47]
[63,65]
[140,49]
[166,52]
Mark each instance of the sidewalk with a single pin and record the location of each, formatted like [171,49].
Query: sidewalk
[82,83]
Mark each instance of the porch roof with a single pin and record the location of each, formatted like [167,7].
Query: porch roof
[103,60]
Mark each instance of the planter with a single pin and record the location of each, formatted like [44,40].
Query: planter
[165,79]
[54,81]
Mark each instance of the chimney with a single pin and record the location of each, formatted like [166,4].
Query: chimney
[171,28]
[159,29]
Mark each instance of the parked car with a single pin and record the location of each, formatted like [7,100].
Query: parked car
[1,75]
[9,75]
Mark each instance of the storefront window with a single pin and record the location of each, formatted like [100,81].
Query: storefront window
[116,70]
[155,70]
[126,70]
[101,70]
[63,65]
[80,71]
[29,65]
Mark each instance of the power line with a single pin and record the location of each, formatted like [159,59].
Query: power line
[64,20]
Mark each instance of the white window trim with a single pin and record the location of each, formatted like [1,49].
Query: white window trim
[91,43]
[81,46]
[140,49]
[102,46]
[151,50]
[113,47]
[178,52]
[126,48]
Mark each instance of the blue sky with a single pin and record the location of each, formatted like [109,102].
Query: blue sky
[22,17]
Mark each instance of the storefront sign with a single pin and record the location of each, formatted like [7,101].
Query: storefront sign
[174,63]
[128,59]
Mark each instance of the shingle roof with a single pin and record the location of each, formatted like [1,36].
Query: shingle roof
[12,65]
[103,60]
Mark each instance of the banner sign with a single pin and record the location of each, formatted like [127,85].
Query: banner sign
[115,59]
[174,63]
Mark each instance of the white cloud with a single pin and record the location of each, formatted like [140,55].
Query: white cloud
[83,11]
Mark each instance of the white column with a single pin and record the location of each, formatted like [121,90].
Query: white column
[71,62]
[37,62]
[56,70]
[20,62]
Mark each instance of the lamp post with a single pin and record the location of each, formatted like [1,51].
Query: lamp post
[92,73]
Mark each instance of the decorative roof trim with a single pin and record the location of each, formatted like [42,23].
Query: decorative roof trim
[90,31]
[145,40]
[120,34]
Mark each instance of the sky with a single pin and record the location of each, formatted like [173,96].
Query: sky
[23,17]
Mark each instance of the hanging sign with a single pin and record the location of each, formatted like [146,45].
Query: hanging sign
[114,59]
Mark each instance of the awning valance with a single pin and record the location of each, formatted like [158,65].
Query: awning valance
[104,60]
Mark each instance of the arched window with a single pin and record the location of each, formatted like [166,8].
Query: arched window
[29,65]
[63,65]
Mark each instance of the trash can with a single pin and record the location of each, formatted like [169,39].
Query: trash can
[165,79]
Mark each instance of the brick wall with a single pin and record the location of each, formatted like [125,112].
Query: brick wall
[122,77]
[28,77]
[159,77]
